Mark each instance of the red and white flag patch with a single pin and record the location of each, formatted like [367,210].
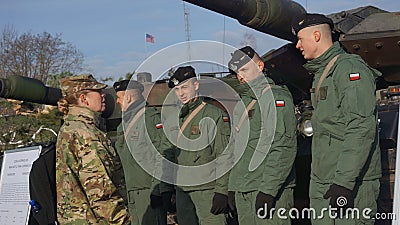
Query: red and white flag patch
[159,126]
[354,76]
[280,103]
[226,119]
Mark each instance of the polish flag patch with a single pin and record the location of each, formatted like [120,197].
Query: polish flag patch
[280,103]
[354,76]
[226,119]
[159,126]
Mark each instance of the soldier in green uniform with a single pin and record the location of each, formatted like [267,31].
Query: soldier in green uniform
[85,159]
[271,142]
[201,137]
[135,147]
[346,165]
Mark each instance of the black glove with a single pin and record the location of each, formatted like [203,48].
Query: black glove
[155,201]
[340,197]
[167,201]
[264,203]
[220,204]
[231,201]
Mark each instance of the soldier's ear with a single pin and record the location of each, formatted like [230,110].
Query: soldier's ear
[196,85]
[128,97]
[317,35]
[260,65]
[82,99]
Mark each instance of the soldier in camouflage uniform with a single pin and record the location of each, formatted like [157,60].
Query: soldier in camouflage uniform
[85,159]
[264,176]
[143,135]
[199,204]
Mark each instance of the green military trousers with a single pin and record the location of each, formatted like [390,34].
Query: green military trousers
[193,208]
[366,195]
[139,207]
[246,201]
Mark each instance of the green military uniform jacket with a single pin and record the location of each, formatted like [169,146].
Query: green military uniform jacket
[85,166]
[345,146]
[209,149]
[143,139]
[270,136]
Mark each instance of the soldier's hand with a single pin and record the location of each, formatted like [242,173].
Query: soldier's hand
[155,201]
[340,197]
[220,204]
[264,204]
[167,201]
[232,202]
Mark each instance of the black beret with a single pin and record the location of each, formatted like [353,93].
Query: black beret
[308,20]
[240,57]
[180,75]
[128,85]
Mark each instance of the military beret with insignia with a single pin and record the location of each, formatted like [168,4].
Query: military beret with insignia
[128,85]
[181,74]
[240,57]
[74,84]
[308,20]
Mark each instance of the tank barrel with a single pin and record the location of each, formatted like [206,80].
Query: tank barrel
[268,16]
[28,89]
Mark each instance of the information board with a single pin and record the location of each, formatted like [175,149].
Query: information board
[14,184]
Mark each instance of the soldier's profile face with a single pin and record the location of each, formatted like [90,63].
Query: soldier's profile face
[187,91]
[96,100]
[306,43]
[249,71]
[121,100]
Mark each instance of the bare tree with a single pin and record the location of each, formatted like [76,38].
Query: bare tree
[37,56]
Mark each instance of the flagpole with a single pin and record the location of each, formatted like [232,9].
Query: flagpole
[145,45]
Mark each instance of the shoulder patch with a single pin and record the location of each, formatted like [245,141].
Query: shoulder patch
[159,126]
[226,119]
[279,103]
[354,76]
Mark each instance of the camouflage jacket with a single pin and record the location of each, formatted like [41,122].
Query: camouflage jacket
[85,161]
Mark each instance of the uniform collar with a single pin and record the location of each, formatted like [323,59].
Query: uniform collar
[83,114]
[319,63]
[133,109]
[256,86]
[187,108]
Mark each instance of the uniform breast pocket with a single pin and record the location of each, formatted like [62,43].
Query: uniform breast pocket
[323,93]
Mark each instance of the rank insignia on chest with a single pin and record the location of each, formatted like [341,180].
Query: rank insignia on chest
[279,103]
[354,76]
[159,126]
[195,129]
[134,135]
[323,92]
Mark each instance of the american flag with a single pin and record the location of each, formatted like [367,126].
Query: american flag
[149,38]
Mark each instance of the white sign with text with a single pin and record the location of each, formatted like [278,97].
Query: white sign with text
[14,184]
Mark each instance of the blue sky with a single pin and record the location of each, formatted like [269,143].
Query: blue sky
[111,34]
